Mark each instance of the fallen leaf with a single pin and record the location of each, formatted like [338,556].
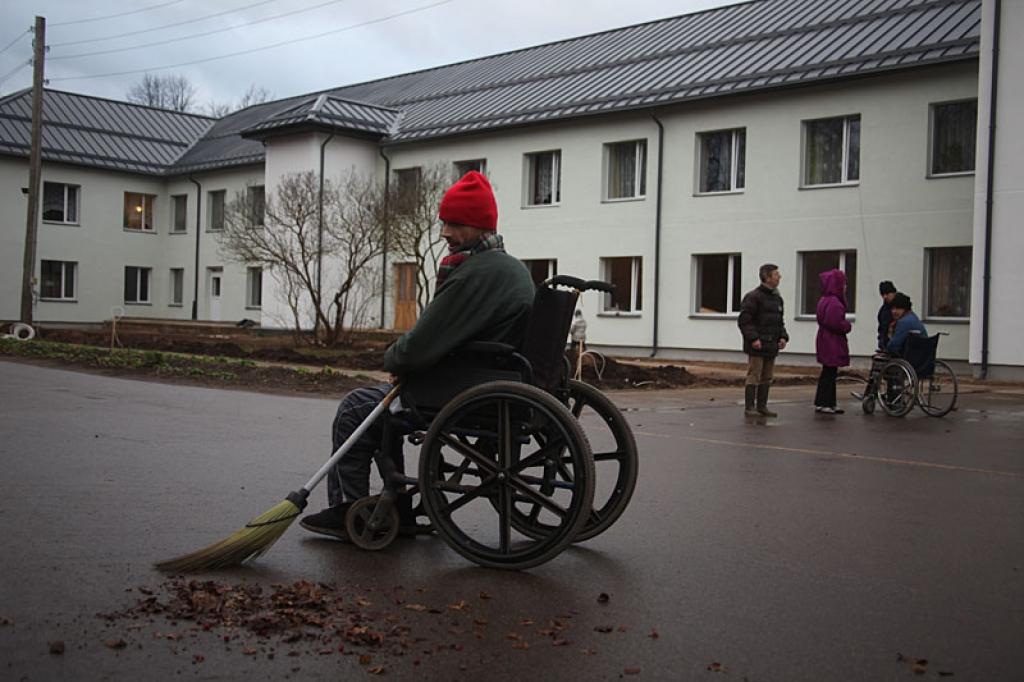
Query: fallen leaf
[631,671]
[716,667]
[654,634]
[416,607]
[460,605]
[364,602]
[198,658]
[521,645]
[945,673]
[588,652]
[603,628]
[116,643]
[560,642]
[365,659]
[249,651]
[479,621]
[512,635]
[526,622]
[622,628]
[57,647]
[484,595]
[376,670]
[603,598]
[6,621]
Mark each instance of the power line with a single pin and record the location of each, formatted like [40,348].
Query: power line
[197,35]
[7,76]
[119,14]
[258,49]
[15,41]
[160,28]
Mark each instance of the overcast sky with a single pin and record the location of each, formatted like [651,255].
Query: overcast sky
[446,31]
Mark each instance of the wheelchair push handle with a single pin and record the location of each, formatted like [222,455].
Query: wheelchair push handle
[580,284]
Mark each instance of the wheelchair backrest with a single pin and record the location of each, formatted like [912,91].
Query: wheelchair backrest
[920,353]
[546,332]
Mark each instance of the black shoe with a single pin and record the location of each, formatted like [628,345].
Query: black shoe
[330,521]
[411,530]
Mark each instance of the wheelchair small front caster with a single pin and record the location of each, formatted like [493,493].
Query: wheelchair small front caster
[371,528]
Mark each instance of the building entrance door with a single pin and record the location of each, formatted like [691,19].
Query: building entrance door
[214,276]
[405,296]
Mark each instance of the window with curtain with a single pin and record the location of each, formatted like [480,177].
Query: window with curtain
[543,178]
[718,283]
[57,281]
[256,203]
[406,189]
[179,210]
[60,203]
[832,151]
[177,286]
[136,284]
[626,166]
[954,129]
[949,282]
[812,264]
[722,160]
[254,287]
[217,199]
[138,211]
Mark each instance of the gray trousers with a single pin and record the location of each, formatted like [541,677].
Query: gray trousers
[349,480]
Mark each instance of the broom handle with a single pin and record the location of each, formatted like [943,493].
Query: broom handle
[351,440]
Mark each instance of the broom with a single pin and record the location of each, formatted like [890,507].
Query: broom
[263,531]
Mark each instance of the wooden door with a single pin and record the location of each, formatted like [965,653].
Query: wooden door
[405,296]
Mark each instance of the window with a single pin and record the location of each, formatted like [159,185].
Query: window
[816,262]
[543,186]
[723,158]
[541,269]
[954,128]
[58,280]
[60,203]
[463,167]
[179,208]
[256,202]
[627,276]
[949,282]
[136,284]
[407,184]
[177,285]
[138,211]
[718,283]
[254,287]
[626,170]
[832,151]
[216,210]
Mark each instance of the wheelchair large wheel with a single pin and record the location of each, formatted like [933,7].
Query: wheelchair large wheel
[510,451]
[897,388]
[937,394]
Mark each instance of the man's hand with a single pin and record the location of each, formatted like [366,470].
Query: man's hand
[756,344]
[782,344]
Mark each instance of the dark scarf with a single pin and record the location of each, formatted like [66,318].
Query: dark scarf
[490,242]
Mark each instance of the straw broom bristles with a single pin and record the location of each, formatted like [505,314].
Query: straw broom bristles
[247,543]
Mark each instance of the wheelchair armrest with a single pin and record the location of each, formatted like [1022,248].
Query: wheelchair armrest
[486,348]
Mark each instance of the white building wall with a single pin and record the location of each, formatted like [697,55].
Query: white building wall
[889,218]
[1006,325]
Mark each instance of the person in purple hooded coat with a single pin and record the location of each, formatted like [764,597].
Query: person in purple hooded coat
[832,349]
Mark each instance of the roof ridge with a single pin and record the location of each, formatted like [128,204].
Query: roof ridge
[131,104]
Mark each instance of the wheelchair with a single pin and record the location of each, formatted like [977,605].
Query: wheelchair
[897,384]
[507,475]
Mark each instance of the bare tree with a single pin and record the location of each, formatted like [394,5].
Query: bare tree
[172,91]
[291,245]
[413,228]
[256,94]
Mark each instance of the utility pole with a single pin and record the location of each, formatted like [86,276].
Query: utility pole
[34,170]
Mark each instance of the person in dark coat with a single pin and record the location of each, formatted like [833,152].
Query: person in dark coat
[483,294]
[831,346]
[906,323]
[762,323]
[887,290]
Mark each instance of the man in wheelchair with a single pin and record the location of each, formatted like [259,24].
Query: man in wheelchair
[905,322]
[482,294]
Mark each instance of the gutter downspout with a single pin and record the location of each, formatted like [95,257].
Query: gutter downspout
[657,232]
[989,191]
[199,214]
[320,235]
[387,218]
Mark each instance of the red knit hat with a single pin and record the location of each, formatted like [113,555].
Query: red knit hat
[470,201]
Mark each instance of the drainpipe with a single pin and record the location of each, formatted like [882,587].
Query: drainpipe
[657,232]
[320,235]
[195,283]
[989,184]
[387,217]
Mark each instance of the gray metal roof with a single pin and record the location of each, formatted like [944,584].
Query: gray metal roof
[90,131]
[748,47]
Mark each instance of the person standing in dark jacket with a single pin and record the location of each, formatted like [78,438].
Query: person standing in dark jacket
[831,347]
[762,323]
[887,290]
[483,294]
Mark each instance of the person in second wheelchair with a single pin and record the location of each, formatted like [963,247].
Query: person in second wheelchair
[483,294]
[906,323]
[831,347]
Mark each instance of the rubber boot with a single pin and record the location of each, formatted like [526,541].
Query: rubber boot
[762,401]
[749,410]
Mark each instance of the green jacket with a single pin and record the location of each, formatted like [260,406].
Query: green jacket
[486,298]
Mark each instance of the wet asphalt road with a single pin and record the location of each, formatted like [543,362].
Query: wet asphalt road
[811,548]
